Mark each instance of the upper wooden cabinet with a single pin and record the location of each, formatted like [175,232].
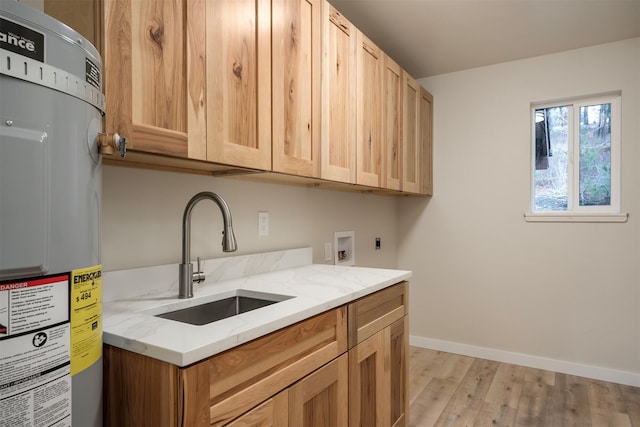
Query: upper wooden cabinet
[339,40]
[154,75]
[288,86]
[426,140]
[238,69]
[411,147]
[264,82]
[296,86]
[392,125]
[370,66]
[417,141]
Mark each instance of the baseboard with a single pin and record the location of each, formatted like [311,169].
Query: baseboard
[587,371]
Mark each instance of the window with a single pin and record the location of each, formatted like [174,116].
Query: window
[576,156]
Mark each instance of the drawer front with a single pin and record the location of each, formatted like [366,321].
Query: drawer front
[243,377]
[272,413]
[375,312]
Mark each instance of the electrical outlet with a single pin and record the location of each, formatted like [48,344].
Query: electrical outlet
[378,243]
[263,223]
[328,252]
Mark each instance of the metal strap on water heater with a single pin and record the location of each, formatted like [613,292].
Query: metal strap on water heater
[23,68]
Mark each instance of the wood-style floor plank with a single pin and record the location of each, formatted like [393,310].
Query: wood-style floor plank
[631,396]
[607,404]
[466,402]
[532,405]
[453,390]
[568,402]
[429,404]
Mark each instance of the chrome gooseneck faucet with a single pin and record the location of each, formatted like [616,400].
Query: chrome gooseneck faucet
[186,274]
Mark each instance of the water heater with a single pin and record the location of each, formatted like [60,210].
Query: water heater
[51,107]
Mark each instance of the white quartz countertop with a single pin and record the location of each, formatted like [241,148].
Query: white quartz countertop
[129,320]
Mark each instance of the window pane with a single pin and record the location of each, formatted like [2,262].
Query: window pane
[595,155]
[552,136]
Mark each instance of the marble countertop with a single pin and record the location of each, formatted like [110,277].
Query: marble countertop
[132,298]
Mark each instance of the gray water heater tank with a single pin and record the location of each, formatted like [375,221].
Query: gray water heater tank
[51,107]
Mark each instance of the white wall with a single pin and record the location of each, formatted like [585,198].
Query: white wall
[484,279]
[142,218]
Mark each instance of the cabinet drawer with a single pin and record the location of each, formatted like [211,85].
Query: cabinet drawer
[374,312]
[272,413]
[224,386]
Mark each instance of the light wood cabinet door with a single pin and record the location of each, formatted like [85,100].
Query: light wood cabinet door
[272,413]
[426,140]
[339,38]
[238,64]
[296,85]
[321,398]
[369,379]
[378,348]
[370,66]
[378,378]
[399,371]
[411,149]
[392,125]
[154,74]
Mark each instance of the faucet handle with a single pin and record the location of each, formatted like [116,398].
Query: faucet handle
[198,276]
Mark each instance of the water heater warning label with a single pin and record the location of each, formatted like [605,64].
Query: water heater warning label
[27,305]
[35,379]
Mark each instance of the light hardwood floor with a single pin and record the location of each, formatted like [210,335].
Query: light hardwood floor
[452,390]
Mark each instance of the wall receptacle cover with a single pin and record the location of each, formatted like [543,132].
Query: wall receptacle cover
[328,252]
[263,223]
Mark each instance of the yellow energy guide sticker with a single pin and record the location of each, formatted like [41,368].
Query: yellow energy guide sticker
[86,317]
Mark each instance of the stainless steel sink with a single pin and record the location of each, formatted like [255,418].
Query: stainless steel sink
[213,311]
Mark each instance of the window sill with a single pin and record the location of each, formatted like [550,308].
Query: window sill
[575,217]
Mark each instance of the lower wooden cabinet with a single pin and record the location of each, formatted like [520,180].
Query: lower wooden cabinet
[344,367]
[272,413]
[318,400]
[378,359]
[244,377]
[399,358]
[369,377]
[321,399]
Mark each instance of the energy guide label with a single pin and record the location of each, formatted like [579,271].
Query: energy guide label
[86,317]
